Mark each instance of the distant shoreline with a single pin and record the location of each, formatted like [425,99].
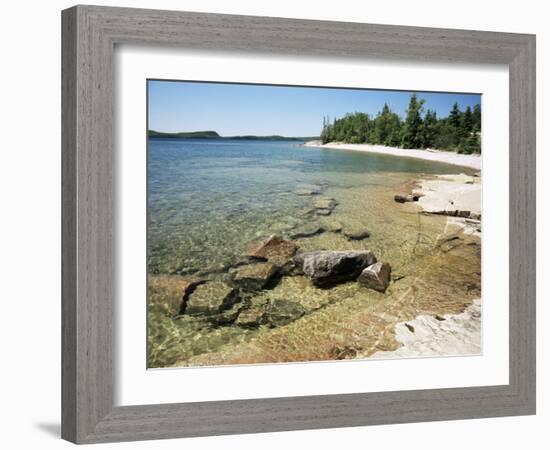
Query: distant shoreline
[214,135]
[448,157]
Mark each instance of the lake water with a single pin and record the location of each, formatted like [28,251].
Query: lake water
[207,199]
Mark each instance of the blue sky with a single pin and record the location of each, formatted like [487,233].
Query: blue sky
[238,109]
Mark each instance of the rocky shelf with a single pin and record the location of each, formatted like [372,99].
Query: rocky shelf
[237,299]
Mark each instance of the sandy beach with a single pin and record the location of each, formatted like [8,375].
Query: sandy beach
[456,196]
[471,161]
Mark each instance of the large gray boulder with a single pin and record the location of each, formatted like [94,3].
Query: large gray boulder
[376,276]
[211,297]
[326,268]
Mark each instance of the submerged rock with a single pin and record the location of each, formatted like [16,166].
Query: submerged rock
[307,231]
[251,317]
[227,316]
[355,233]
[376,276]
[274,249]
[308,212]
[282,312]
[278,313]
[326,268]
[323,212]
[188,285]
[325,203]
[282,226]
[170,291]
[332,226]
[308,189]
[211,297]
[324,206]
[254,276]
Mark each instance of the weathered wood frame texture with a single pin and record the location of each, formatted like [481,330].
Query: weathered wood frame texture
[89,34]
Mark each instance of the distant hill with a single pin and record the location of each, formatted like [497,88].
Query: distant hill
[188,135]
[215,135]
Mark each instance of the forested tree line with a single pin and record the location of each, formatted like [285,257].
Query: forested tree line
[460,131]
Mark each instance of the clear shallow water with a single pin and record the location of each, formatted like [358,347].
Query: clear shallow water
[208,198]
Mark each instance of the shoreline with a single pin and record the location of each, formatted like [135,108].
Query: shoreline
[456,196]
[470,161]
[432,335]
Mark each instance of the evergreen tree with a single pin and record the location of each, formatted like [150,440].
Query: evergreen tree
[454,116]
[429,129]
[413,124]
[459,131]
[362,125]
[380,126]
[325,131]
[476,115]
[467,122]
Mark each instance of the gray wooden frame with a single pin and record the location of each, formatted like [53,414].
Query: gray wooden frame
[89,36]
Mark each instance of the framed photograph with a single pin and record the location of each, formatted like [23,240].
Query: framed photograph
[278,224]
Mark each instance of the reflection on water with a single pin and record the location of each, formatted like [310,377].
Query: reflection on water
[208,199]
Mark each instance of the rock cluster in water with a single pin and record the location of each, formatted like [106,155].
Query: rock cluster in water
[235,300]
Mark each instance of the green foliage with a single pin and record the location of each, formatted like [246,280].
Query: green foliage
[470,145]
[477,117]
[454,116]
[412,128]
[429,130]
[459,131]
[467,121]
[386,128]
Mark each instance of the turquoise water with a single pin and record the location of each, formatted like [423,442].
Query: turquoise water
[208,198]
